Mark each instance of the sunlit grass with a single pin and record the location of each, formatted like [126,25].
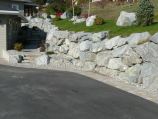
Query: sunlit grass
[109,25]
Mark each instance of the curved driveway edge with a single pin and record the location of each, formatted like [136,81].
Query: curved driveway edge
[125,86]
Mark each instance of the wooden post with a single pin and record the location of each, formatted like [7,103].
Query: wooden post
[89,8]
[73,9]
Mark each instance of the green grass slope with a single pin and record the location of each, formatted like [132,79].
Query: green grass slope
[111,11]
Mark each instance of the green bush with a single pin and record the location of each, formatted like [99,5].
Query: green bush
[145,13]
[77,11]
[99,21]
[58,6]
[18,46]
[50,10]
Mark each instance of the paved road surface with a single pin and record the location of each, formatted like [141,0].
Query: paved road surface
[42,94]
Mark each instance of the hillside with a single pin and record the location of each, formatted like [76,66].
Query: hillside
[110,13]
[112,10]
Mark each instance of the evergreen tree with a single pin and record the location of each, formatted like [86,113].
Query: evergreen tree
[145,13]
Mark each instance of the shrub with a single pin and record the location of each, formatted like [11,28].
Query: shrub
[99,21]
[18,46]
[59,6]
[50,10]
[77,11]
[145,13]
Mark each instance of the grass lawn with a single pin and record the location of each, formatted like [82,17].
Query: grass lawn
[108,26]
[110,11]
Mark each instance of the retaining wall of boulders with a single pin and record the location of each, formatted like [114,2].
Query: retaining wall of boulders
[44,24]
[133,59]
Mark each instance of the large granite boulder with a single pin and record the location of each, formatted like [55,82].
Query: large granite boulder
[57,37]
[60,41]
[87,36]
[121,42]
[126,19]
[117,64]
[149,74]
[151,83]
[97,47]
[154,38]
[131,74]
[90,21]
[119,52]
[54,49]
[63,49]
[87,56]
[74,50]
[97,37]
[42,60]
[50,39]
[82,65]
[60,60]
[103,58]
[85,45]
[110,44]
[131,58]
[79,37]
[148,52]
[67,42]
[139,38]
[74,37]
[89,66]
[148,69]
[78,63]
[61,34]
[14,59]
[128,55]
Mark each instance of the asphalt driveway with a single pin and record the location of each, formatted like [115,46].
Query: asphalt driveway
[43,94]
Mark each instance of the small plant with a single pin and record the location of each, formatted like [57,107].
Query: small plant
[18,46]
[99,21]
[77,11]
[145,13]
[49,52]
[42,47]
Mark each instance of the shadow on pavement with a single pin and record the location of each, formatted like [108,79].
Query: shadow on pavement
[43,94]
